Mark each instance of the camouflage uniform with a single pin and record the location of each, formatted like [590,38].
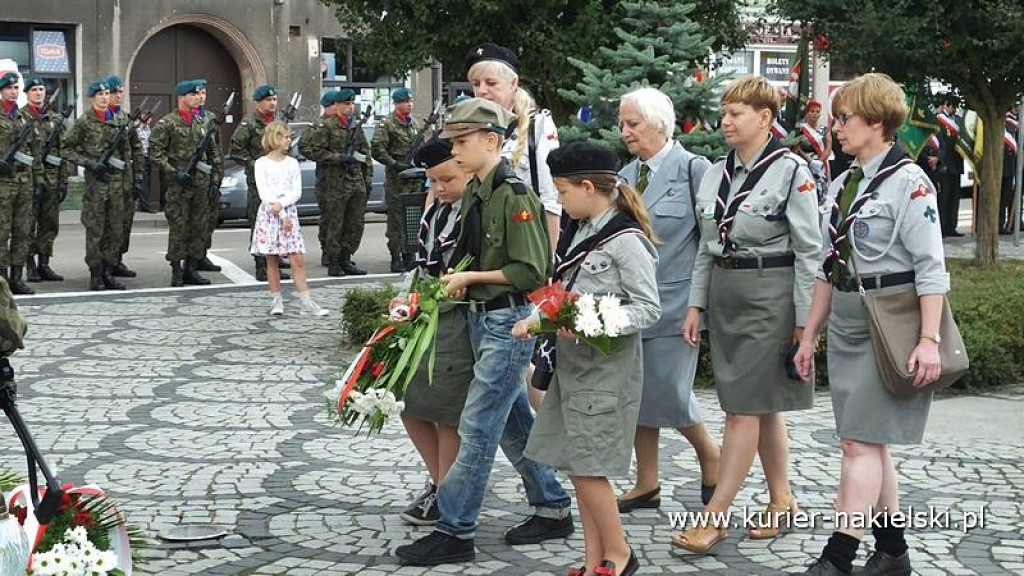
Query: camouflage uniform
[391,142]
[132,179]
[246,147]
[103,202]
[15,198]
[51,175]
[216,175]
[342,183]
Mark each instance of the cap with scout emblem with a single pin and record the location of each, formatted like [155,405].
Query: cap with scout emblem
[97,86]
[492,51]
[433,153]
[582,158]
[265,91]
[473,115]
[401,95]
[115,84]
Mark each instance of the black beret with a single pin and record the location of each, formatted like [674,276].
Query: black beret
[432,153]
[491,51]
[582,158]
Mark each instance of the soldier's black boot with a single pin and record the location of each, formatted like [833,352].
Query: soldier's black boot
[334,267]
[349,267]
[205,265]
[18,285]
[176,273]
[261,268]
[46,273]
[324,260]
[32,271]
[190,276]
[397,265]
[109,282]
[95,278]
[122,271]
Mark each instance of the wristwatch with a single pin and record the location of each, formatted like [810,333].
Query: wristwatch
[933,337]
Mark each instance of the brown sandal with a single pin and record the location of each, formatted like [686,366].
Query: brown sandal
[774,520]
[700,540]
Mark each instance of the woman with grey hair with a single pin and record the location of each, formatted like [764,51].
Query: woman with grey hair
[667,176]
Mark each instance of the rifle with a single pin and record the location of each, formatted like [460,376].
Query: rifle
[288,114]
[194,163]
[433,120]
[51,140]
[106,158]
[13,151]
[350,144]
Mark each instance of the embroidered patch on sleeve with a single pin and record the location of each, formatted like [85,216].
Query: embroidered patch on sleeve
[807,186]
[920,192]
[523,215]
[930,214]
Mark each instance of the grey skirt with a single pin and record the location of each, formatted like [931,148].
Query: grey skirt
[586,425]
[669,368]
[751,319]
[865,411]
[441,401]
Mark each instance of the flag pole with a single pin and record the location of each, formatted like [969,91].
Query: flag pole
[1019,176]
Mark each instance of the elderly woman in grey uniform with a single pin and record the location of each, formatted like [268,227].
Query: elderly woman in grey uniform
[760,244]
[884,234]
[585,425]
[667,176]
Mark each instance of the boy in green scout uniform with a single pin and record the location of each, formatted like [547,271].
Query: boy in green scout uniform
[391,142]
[505,232]
[49,181]
[133,174]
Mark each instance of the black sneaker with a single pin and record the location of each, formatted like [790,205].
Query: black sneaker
[423,511]
[437,548]
[537,529]
[882,564]
[822,567]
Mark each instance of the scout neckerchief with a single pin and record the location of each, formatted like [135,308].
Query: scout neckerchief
[841,221]
[434,260]
[11,109]
[470,240]
[104,115]
[725,210]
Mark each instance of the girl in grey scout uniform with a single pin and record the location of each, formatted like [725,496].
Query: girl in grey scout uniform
[432,409]
[585,425]
[760,245]
[883,227]
[667,176]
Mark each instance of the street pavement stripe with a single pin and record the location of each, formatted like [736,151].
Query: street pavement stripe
[231,271]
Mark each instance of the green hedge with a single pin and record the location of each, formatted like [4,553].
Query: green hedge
[363,310]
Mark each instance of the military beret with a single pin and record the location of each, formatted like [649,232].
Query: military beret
[200,83]
[584,157]
[344,95]
[115,83]
[462,98]
[433,153]
[401,95]
[473,115]
[265,91]
[327,98]
[186,87]
[97,86]
[491,51]
[35,81]
[8,78]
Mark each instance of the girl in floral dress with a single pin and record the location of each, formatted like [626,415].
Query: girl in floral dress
[277,223]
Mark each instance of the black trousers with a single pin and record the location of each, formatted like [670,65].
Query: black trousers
[949,202]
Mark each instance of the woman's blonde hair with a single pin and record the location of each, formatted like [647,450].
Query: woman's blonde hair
[875,97]
[273,134]
[754,91]
[628,199]
[522,103]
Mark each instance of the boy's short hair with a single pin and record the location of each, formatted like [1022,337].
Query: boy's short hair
[754,91]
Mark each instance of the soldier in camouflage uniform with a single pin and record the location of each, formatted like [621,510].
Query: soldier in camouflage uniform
[246,147]
[49,182]
[391,142]
[132,174]
[15,187]
[103,201]
[330,106]
[342,179]
[171,145]
[216,175]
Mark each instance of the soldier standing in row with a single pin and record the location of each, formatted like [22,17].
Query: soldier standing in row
[210,122]
[344,172]
[15,187]
[49,182]
[330,106]
[391,142]
[132,174]
[173,141]
[103,201]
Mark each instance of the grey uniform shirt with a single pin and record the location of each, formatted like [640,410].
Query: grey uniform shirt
[779,217]
[897,230]
[625,266]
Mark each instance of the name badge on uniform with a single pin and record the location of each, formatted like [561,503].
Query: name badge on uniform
[53,160]
[708,213]
[203,167]
[116,163]
[24,158]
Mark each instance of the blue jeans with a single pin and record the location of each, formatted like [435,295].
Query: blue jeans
[497,412]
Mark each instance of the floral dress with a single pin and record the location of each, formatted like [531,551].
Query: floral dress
[278,182]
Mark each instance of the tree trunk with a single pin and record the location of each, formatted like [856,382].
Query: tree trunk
[987,211]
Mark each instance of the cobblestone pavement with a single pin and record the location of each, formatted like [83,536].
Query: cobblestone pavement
[196,407]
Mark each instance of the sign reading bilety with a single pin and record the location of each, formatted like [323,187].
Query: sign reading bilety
[50,52]
[775,66]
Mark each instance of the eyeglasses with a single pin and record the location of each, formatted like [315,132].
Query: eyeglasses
[843,118]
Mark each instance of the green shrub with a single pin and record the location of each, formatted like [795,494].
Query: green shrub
[363,310]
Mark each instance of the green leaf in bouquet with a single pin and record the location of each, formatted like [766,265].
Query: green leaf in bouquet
[426,340]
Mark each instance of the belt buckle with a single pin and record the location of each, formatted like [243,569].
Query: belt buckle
[847,285]
[729,262]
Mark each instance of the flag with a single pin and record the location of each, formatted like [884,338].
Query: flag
[799,84]
[1010,141]
[949,123]
[920,125]
[779,130]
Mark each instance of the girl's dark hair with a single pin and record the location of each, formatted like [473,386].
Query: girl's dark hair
[628,200]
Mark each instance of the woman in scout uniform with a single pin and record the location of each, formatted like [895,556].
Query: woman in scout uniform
[884,228]
[504,234]
[668,176]
[760,245]
[433,408]
[585,425]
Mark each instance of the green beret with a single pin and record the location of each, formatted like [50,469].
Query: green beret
[33,82]
[265,91]
[8,78]
[473,115]
[200,83]
[186,87]
[327,98]
[97,86]
[401,95]
[115,83]
[345,95]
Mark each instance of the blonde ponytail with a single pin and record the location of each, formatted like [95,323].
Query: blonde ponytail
[522,104]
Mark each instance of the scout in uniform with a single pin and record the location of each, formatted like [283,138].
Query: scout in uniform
[505,234]
[103,201]
[883,232]
[391,141]
[343,180]
[133,173]
[432,409]
[210,121]
[171,145]
[585,426]
[246,147]
[759,249]
[15,188]
[49,177]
